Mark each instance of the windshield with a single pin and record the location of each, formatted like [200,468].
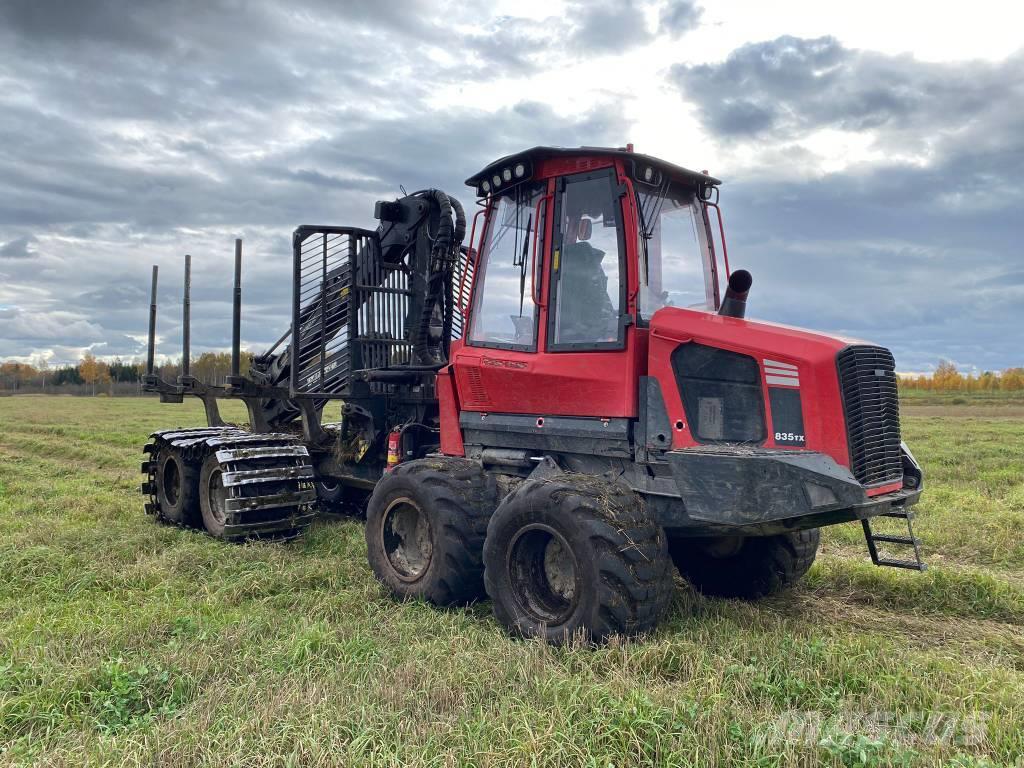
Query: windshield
[675,270]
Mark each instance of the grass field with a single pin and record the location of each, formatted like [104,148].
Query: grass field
[124,642]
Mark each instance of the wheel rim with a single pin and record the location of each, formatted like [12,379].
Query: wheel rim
[170,481]
[406,539]
[218,495]
[544,574]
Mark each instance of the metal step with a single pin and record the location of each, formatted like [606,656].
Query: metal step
[874,539]
[896,539]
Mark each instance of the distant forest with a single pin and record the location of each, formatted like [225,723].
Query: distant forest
[91,376]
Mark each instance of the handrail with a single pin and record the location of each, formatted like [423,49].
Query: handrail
[533,261]
[475,255]
[721,236]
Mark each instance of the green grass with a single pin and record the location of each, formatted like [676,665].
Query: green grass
[123,642]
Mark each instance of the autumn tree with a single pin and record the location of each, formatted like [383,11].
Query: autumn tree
[93,371]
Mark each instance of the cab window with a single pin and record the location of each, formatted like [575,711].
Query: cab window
[588,264]
[504,314]
[673,253]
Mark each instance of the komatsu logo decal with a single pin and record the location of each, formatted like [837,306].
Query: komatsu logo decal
[782,374]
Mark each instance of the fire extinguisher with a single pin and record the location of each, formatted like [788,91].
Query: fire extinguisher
[394,449]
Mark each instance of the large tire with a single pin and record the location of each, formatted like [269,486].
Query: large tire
[177,487]
[748,568]
[425,528]
[212,497]
[576,556]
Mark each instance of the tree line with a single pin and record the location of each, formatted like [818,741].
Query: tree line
[91,376]
[947,378]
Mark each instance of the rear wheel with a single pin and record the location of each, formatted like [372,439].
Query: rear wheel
[177,482]
[425,527]
[213,497]
[746,567]
[576,555]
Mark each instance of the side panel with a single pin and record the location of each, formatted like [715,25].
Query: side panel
[451,433]
[809,356]
[599,384]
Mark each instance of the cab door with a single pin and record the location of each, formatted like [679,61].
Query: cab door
[552,333]
[590,358]
[494,368]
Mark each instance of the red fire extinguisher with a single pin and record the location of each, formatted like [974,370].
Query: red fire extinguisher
[394,449]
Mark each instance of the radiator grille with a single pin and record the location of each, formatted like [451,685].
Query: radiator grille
[867,377]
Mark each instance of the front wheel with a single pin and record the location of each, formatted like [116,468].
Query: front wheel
[576,556]
[425,526]
[745,567]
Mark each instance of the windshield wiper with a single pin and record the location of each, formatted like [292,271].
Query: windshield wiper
[523,263]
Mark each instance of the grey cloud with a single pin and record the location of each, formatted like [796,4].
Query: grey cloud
[787,87]
[125,199]
[918,256]
[679,16]
[604,26]
[18,248]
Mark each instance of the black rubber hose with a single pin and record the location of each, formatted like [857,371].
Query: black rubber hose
[440,256]
[460,222]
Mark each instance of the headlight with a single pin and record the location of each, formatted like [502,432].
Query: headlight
[520,171]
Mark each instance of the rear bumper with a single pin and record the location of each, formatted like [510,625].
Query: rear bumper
[755,490]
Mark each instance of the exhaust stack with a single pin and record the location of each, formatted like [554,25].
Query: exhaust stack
[734,304]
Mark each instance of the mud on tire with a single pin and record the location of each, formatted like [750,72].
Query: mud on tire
[425,528]
[576,555]
[751,568]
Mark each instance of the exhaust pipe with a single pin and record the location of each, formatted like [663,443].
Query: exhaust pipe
[734,304]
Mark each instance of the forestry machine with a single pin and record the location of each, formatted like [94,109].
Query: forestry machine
[549,414]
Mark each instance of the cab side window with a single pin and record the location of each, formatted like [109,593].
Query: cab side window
[504,314]
[588,264]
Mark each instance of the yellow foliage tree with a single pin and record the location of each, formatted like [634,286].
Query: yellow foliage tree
[93,371]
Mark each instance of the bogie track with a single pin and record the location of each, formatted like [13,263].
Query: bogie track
[245,485]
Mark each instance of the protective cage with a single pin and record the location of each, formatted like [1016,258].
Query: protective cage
[350,313]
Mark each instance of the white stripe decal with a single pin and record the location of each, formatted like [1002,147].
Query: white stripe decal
[789,381]
[780,372]
[774,364]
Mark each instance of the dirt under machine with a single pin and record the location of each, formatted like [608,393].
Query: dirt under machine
[550,414]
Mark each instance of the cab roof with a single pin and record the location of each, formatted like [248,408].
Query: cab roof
[542,153]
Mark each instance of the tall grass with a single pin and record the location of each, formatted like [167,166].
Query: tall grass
[126,643]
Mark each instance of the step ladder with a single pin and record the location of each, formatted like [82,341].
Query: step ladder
[874,539]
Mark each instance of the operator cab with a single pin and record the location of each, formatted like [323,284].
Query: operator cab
[613,209]
[576,249]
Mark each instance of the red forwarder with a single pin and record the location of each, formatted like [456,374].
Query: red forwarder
[556,412]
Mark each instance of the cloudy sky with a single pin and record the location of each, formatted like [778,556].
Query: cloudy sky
[873,154]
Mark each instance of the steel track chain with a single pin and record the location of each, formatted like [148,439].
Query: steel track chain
[249,463]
